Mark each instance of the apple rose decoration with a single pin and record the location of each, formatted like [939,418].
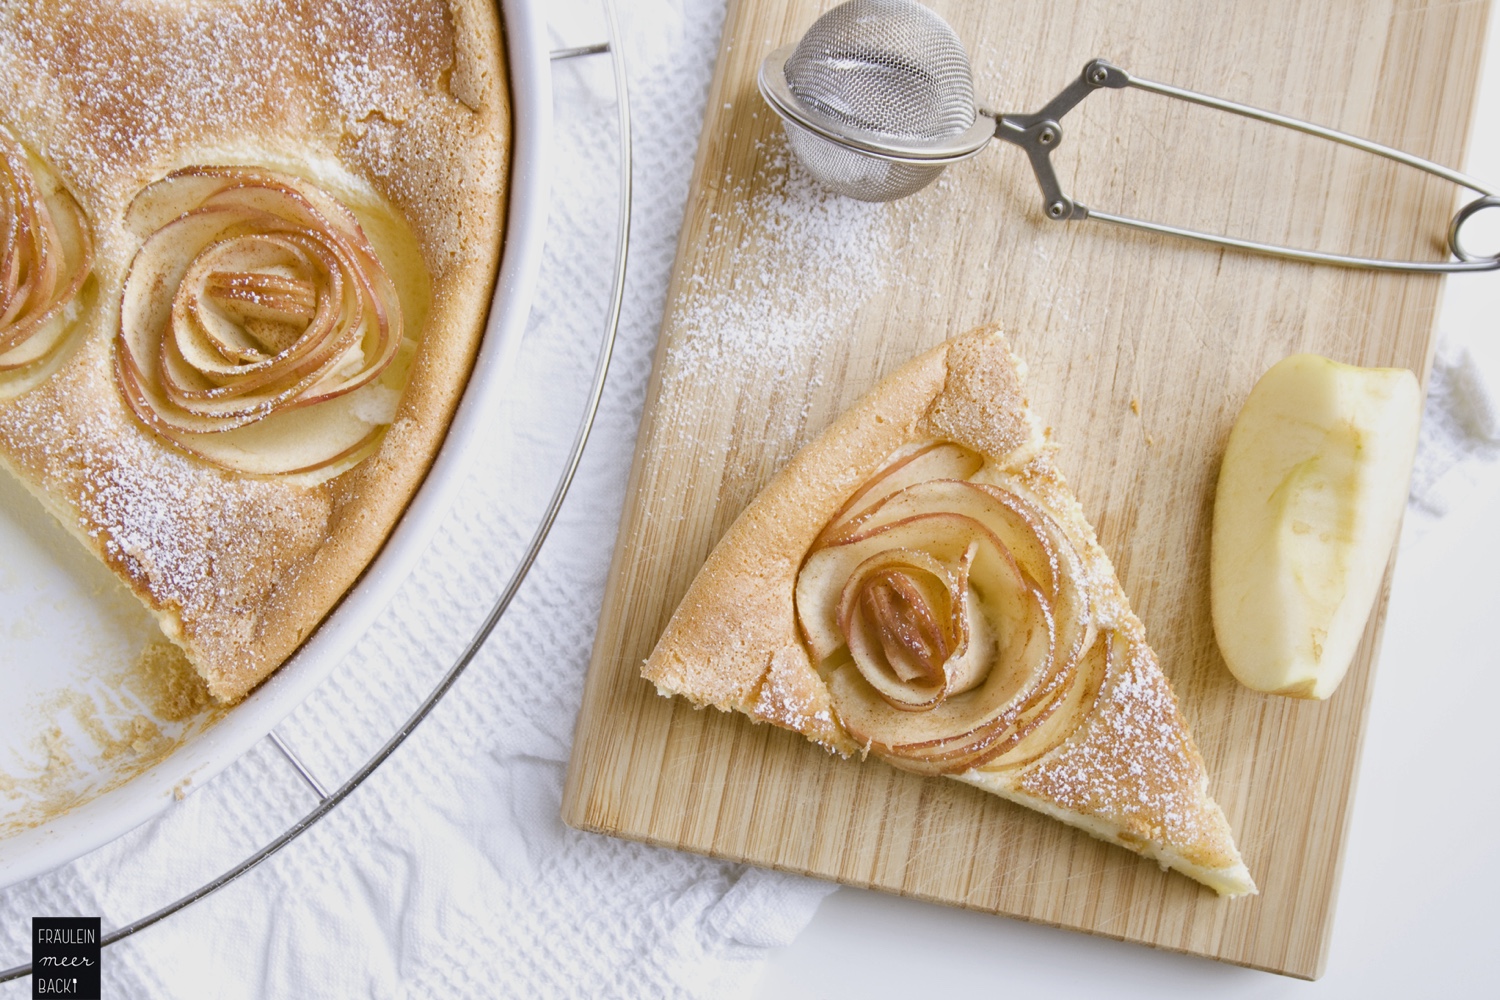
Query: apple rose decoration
[45,258]
[257,322]
[950,618]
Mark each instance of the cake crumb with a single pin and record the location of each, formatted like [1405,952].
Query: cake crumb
[167,683]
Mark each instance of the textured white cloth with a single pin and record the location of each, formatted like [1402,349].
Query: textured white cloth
[1458,459]
[449,873]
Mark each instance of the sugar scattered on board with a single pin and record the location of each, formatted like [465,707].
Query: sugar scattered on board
[791,263]
[787,268]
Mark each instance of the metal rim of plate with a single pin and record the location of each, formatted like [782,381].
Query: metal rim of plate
[328,800]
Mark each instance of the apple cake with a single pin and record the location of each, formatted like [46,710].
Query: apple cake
[920,584]
[248,254]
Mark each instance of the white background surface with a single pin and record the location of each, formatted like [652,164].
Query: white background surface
[1416,914]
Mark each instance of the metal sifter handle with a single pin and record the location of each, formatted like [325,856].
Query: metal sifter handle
[1040,133]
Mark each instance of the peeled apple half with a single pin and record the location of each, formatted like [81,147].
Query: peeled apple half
[1314,480]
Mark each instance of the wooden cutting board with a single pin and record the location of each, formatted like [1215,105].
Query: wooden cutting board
[787,305]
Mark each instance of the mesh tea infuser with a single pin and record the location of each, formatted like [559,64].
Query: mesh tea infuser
[878,98]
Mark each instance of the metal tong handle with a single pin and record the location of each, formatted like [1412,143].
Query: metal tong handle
[1039,134]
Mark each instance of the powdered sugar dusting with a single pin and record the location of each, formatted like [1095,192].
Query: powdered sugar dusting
[1134,764]
[786,267]
[194,539]
[792,697]
[117,94]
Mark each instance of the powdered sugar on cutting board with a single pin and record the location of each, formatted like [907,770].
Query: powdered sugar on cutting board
[800,260]
[787,267]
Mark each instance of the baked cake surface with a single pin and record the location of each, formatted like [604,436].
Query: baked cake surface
[395,110]
[920,583]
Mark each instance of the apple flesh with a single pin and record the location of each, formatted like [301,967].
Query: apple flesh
[1310,496]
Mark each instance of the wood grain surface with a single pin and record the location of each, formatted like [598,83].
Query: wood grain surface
[787,305]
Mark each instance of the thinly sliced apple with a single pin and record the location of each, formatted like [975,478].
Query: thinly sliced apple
[942,534]
[1314,480]
[1019,527]
[1013,577]
[1063,712]
[933,461]
[904,616]
[960,723]
[1037,543]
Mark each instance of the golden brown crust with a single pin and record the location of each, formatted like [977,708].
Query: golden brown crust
[407,97]
[983,404]
[1130,774]
[738,612]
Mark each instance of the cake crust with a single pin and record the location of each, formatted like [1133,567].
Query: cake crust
[406,100]
[1130,774]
